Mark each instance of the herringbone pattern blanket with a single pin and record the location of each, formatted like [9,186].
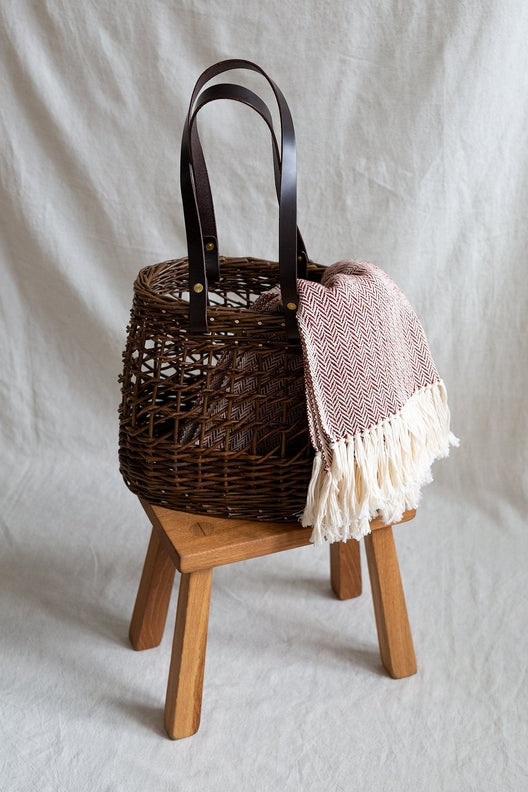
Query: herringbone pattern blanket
[377,408]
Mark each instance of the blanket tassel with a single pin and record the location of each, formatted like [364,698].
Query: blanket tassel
[380,471]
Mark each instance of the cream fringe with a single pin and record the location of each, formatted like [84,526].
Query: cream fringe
[379,472]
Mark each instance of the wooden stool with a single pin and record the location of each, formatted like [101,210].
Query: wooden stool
[195,544]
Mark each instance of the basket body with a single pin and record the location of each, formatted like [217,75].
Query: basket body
[214,423]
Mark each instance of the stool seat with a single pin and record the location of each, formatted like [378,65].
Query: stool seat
[195,544]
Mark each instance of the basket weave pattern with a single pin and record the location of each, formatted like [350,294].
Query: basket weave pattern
[214,423]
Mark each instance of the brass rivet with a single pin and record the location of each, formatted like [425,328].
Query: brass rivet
[210,246]
[299,258]
[198,288]
[291,306]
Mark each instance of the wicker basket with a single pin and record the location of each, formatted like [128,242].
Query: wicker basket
[197,432]
[213,415]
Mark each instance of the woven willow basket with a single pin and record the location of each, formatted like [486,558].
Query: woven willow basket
[214,423]
[213,415]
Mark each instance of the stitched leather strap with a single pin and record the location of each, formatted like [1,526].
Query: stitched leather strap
[192,179]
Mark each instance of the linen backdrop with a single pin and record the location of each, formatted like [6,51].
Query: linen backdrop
[411,122]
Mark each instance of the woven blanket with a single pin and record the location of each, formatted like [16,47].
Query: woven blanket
[377,408]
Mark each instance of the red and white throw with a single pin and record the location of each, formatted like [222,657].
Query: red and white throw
[377,407]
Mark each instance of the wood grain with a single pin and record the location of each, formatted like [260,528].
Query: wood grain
[153,597]
[184,689]
[345,569]
[394,632]
[202,541]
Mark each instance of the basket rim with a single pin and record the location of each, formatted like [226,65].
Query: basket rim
[143,286]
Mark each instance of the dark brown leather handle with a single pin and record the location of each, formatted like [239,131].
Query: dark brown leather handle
[287,207]
[203,192]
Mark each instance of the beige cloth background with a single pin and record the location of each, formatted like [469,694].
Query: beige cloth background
[411,122]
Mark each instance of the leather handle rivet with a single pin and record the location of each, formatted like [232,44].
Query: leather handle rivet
[210,246]
[291,306]
[198,288]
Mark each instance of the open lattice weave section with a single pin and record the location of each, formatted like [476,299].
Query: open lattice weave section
[215,422]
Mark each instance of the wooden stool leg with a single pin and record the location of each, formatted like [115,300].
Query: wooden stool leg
[184,690]
[152,601]
[345,569]
[394,632]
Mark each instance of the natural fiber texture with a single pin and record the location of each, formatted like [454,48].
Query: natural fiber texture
[214,423]
[377,408]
